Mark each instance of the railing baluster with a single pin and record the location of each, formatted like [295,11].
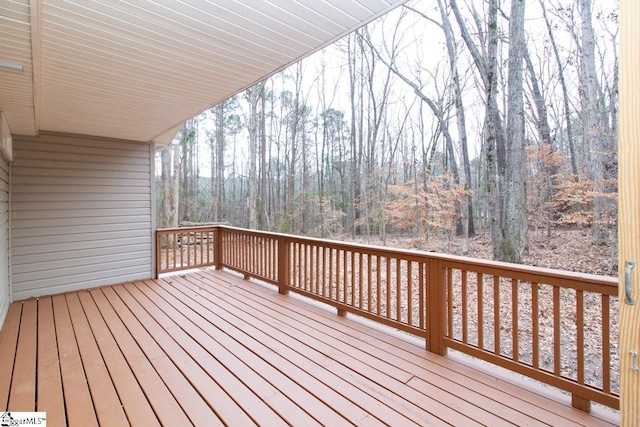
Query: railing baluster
[257,242]
[398,291]
[421,286]
[273,247]
[317,279]
[557,353]
[208,247]
[480,296]
[409,293]
[352,288]
[296,267]
[252,261]
[378,287]
[246,252]
[580,334]
[345,276]
[449,276]
[368,282]
[361,284]
[313,268]
[606,343]
[465,320]
[188,234]
[167,250]
[324,269]
[515,305]
[308,271]
[330,294]
[338,276]
[535,326]
[239,246]
[353,277]
[496,315]
[236,249]
[388,307]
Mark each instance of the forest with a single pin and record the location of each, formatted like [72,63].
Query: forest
[443,118]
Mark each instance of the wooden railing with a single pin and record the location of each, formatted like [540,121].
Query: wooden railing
[185,248]
[554,326]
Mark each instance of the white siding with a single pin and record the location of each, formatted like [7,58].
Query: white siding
[5,295]
[81,213]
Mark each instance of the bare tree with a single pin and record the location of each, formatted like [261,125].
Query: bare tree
[565,91]
[356,139]
[253,96]
[591,126]
[452,53]
[218,161]
[514,222]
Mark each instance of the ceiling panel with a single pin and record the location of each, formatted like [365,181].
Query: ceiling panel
[138,70]
[16,89]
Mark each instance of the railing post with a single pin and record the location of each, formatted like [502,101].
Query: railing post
[283,264]
[436,295]
[217,248]
[580,403]
[159,254]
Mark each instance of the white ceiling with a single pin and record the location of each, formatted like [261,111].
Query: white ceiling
[138,69]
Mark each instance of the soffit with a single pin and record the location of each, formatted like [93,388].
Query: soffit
[137,70]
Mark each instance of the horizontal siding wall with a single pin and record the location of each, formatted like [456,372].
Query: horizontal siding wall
[81,213]
[5,295]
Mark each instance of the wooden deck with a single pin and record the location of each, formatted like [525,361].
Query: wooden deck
[209,349]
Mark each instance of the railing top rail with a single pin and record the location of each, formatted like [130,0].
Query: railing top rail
[183,229]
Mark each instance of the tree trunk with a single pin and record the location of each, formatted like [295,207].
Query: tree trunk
[166,203]
[172,217]
[565,92]
[591,126]
[262,200]
[253,96]
[219,190]
[514,223]
[542,124]
[291,176]
[185,174]
[356,143]
[495,135]
[469,229]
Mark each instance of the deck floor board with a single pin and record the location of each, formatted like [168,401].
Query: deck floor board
[264,379]
[134,403]
[209,348]
[8,344]
[49,388]
[103,392]
[318,349]
[297,381]
[23,385]
[164,404]
[80,410]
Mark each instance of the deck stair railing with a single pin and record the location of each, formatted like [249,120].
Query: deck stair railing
[555,326]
